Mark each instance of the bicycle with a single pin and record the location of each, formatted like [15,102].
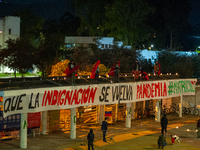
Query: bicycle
[165,110]
[193,110]
[141,113]
[122,115]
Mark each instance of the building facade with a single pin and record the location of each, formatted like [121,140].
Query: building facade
[9,28]
[88,41]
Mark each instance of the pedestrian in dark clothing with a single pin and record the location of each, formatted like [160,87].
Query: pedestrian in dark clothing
[198,128]
[90,138]
[164,122]
[136,70]
[104,129]
[117,71]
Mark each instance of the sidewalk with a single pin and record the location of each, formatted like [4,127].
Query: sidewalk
[142,135]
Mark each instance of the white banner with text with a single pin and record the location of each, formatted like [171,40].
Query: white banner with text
[55,98]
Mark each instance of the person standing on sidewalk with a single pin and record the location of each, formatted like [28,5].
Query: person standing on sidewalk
[117,71]
[164,122]
[104,129]
[90,138]
[198,128]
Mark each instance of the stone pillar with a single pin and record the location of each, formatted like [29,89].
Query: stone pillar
[101,114]
[73,124]
[23,130]
[128,115]
[180,106]
[133,110]
[158,109]
[44,122]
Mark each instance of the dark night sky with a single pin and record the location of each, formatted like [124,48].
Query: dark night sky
[48,9]
[54,9]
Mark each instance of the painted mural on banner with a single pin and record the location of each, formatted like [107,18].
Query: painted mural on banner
[55,98]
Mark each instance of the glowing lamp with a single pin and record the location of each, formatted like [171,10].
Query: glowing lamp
[170,74]
[177,127]
[196,130]
[53,79]
[176,73]
[167,73]
[161,74]
[125,75]
[64,78]
[188,129]
[133,74]
[149,74]
[87,76]
[79,77]
[154,74]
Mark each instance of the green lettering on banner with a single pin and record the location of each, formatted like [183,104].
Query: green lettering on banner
[180,87]
[25,124]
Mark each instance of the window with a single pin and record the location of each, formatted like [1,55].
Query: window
[106,45]
[9,31]
[110,46]
[102,45]
[68,45]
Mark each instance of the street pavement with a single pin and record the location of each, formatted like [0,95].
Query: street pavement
[142,135]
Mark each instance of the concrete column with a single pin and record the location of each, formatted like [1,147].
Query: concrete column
[143,105]
[101,114]
[158,109]
[128,115]
[116,113]
[73,124]
[180,106]
[133,110]
[23,130]
[44,122]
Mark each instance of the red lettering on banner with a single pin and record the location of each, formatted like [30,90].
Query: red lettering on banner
[68,97]
[139,91]
[152,90]
[79,100]
[54,98]
[61,100]
[92,95]
[86,94]
[43,98]
[148,90]
[157,89]
[83,94]
[74,98]
[165,90]
[48,98]
[145,91]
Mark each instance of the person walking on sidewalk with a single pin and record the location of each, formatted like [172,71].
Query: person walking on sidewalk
[198,128]
[90,138]
[104,129]
[164,123]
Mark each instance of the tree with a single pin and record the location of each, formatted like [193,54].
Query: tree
[18,55]
[69,24]
[126,21]
[170,23]
[92,15]
[48,51]
[31,25]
